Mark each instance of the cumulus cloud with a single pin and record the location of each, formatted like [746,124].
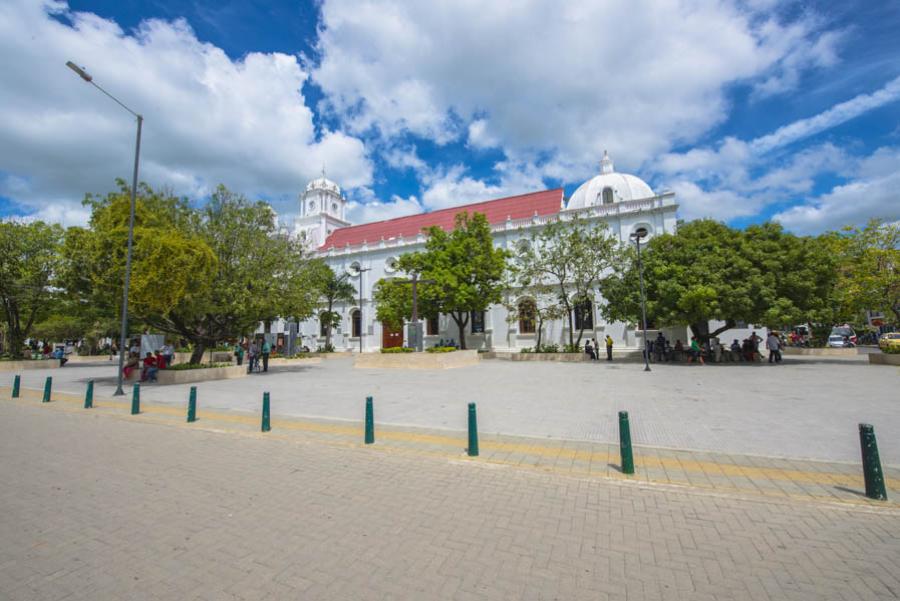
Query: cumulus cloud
[208,118]
[554,84]
[376,210]
[874,192]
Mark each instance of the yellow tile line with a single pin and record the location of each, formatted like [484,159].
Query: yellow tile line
[645,458]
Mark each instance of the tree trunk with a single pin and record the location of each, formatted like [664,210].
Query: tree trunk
[461,324]
[197,354]
[701,329]
[540,328]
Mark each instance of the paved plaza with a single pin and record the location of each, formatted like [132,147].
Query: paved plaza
[98,506]
[806,408]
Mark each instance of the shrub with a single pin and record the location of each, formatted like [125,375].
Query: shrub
[186,366]
[301,355]
[527,349]
[572,348]
[548,348]
[441,349]
[891,350]
[398,349]
[326,348]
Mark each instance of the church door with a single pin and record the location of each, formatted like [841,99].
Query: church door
[390,337]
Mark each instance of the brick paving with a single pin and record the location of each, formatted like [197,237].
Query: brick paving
[102,505]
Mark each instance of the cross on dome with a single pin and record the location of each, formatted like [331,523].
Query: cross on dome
[606,164]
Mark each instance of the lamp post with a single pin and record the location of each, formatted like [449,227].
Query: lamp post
[360,270]
[137,153]
[637,235]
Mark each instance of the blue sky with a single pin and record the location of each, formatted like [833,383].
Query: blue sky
[748,110]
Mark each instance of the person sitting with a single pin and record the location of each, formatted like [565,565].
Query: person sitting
[161,362]
[589,351]
[736,350]
[149,370]
[60,354]
[678,350]
[130,365]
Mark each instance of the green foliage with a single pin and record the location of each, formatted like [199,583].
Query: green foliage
[334,289]
[462,272]
[398,349]
[440,349]
[563,265]
[869,272]
[891,350]
[187,366]
[29,260]
[709,271]
[572,348]
[204,274]
[59,327]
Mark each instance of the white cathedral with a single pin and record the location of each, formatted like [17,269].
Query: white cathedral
[369,252]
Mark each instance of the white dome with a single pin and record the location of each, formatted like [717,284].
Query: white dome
[323,183]
[622,187]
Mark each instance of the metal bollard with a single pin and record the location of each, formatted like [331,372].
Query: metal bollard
[17,381]
[266,425]
[625,444]
[370,422]
[192,405]
[48,385]
[872,472]
[136,399]
[473,432]
[89,395]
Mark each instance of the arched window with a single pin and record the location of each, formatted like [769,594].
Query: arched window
[584,315]
[526,316]
[356,323]
[608,197]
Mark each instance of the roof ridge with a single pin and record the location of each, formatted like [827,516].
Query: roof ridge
[454,208]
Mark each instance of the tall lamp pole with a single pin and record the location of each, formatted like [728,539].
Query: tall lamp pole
[360,270]
[137,153]
[639,234]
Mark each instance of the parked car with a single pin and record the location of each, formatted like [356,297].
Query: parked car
[889,340]
[843,333]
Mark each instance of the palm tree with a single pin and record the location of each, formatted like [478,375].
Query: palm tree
[335,289]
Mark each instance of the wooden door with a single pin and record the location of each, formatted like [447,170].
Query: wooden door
[390,337]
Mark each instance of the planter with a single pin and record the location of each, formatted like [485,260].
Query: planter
[883,359]
[820,352]
[416,360]
[186,376]
[29,364]
[621,355]
[283,361]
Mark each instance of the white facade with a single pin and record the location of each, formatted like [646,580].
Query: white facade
[623,201]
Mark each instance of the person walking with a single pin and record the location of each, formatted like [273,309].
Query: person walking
[239,353]
[609,347]
[252,357]
[266,349]
[659,346]
[774,346]
[696,353]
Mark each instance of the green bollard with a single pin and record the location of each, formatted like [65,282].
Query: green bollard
[266,425]
[370,421]
[47,386]
[192,405]
[136,399]
[872,472]
[473,432]
[89,395]
[16,382]
[625,443]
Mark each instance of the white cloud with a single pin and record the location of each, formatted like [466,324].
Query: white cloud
[875,193]
[454,187]
[554,83]
[208,119]
[375,210]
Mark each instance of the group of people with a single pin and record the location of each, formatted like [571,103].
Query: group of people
[713,350]
[255,352]
[592,349]
[151,363]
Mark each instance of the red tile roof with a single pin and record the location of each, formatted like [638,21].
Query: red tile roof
[515,207]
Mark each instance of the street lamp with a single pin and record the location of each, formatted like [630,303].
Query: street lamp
[637,235]
[137,153]
[360,270]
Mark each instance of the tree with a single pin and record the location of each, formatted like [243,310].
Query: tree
[465,270]
[571,257]
[334,289]
[869,271]
[29,257]
[708,271]
[205,275]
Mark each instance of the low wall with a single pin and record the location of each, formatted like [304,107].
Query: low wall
[186,376]
[29,364]
[883,359]
[820,352]
[285,361]
[416,360]
[559,357]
